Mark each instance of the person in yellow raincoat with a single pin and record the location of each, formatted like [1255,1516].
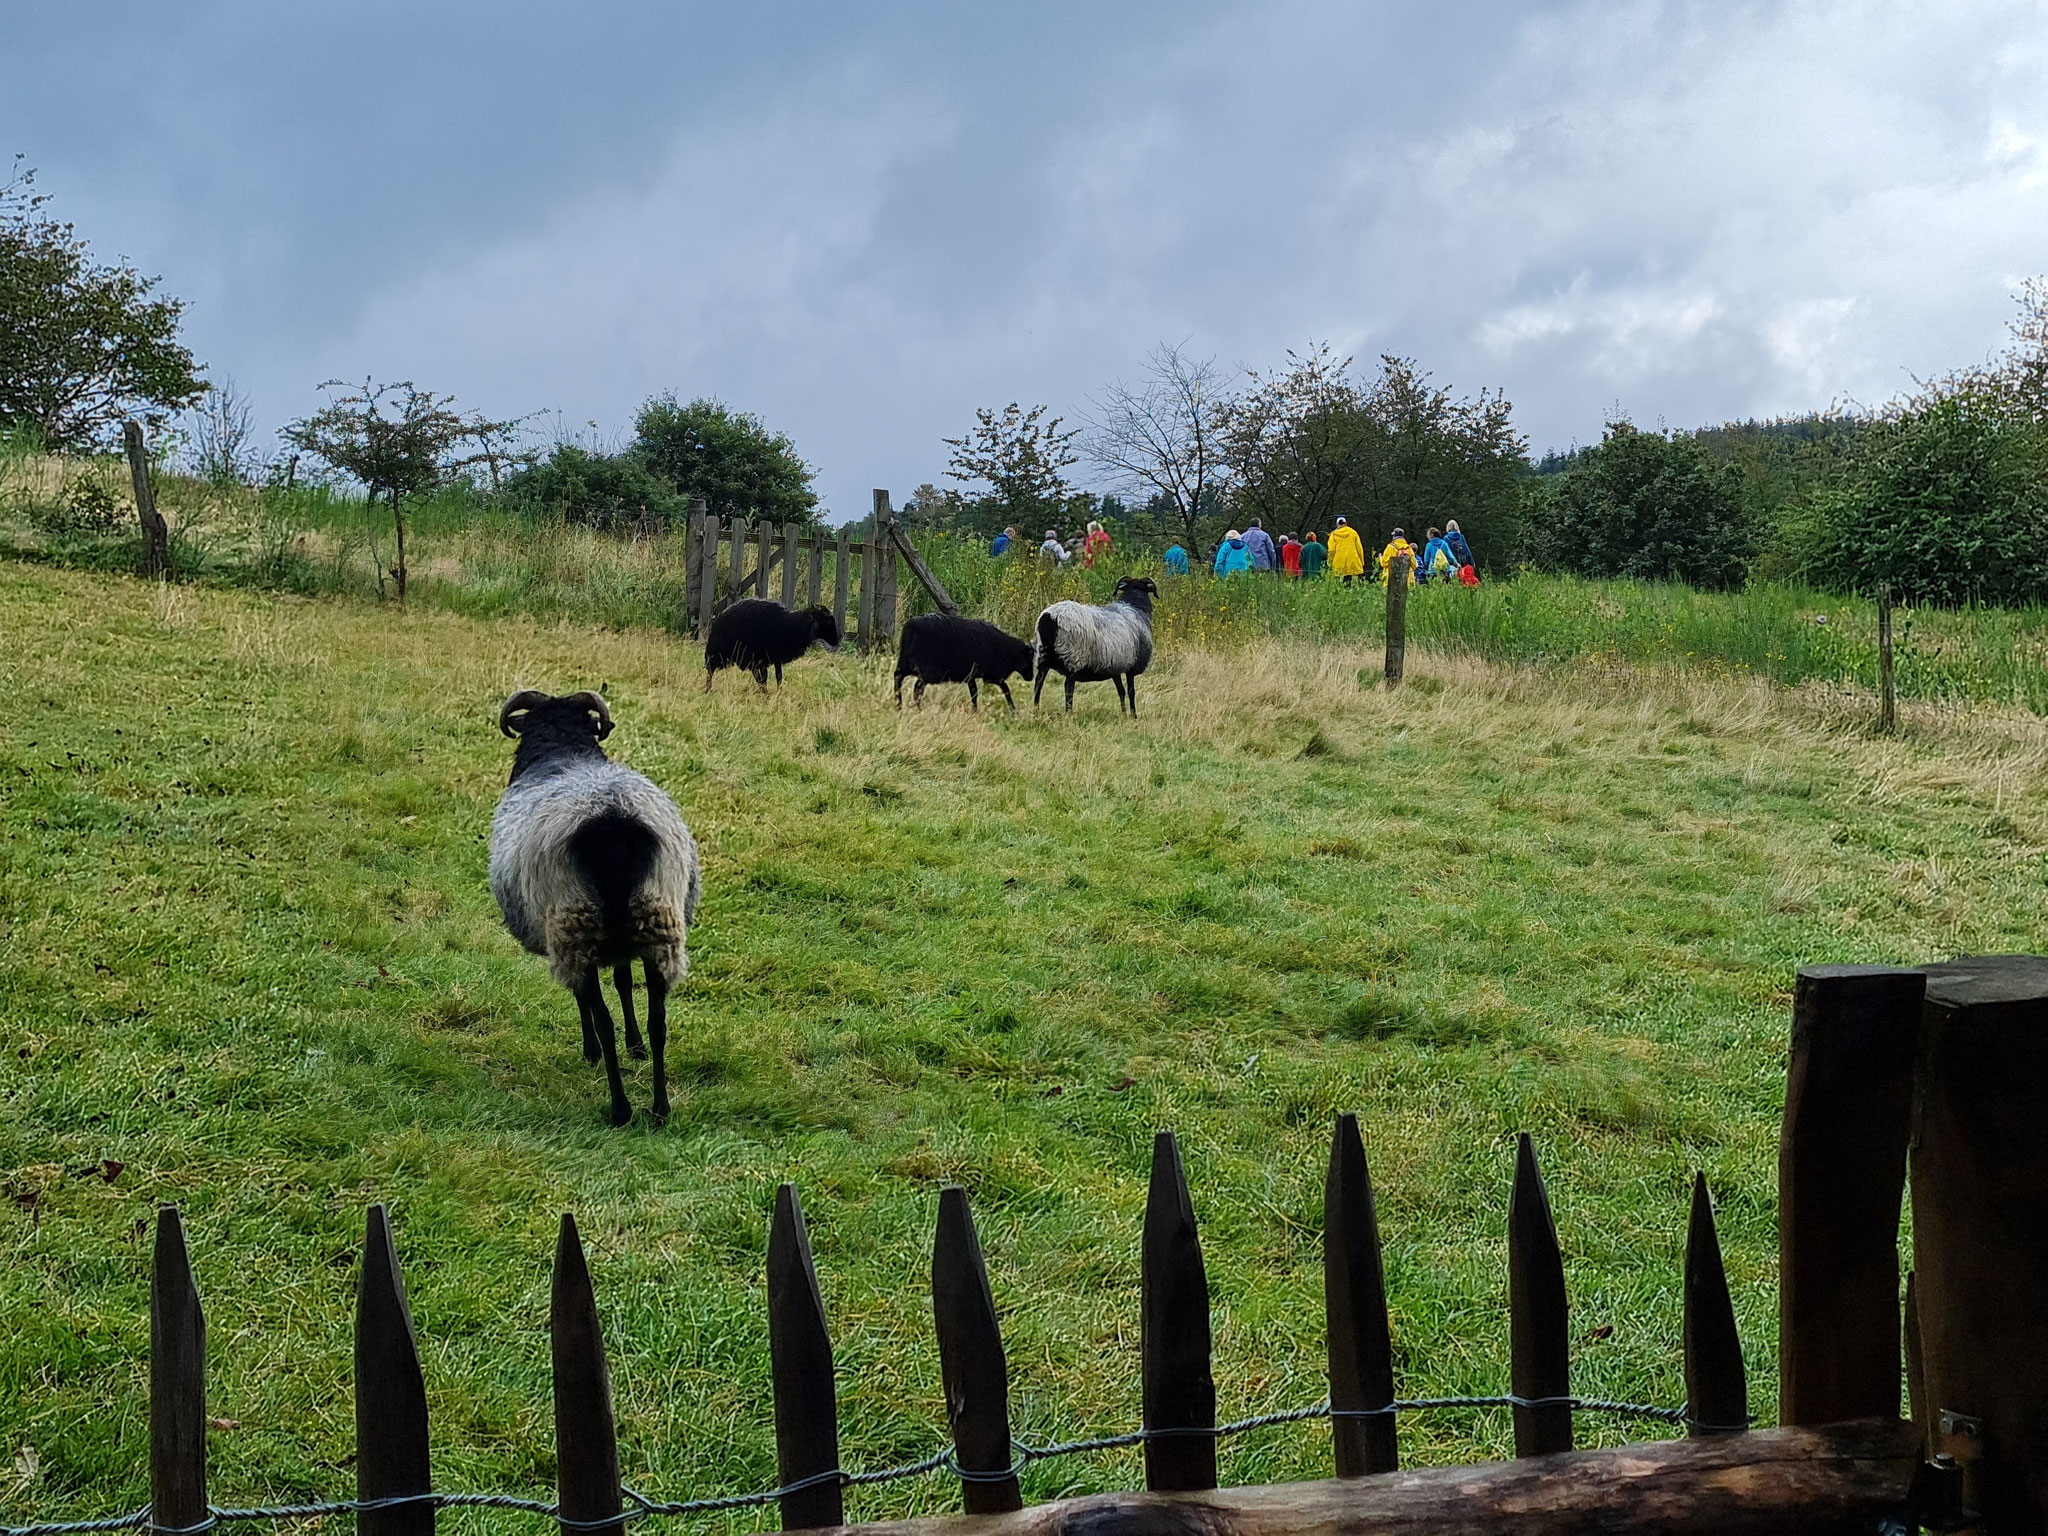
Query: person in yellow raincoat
[1397,546]
[1347,553]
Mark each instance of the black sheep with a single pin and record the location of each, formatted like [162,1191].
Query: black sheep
[757,634]
[938,648]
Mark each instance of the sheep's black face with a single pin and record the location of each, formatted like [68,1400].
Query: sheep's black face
[1142,588]
[827,627]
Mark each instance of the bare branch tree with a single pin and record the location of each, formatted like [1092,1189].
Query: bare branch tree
[1160,437]
[224,436]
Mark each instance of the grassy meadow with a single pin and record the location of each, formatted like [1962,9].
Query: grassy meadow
[249,963]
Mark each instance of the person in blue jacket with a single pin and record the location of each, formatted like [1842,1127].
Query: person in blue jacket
[1176,560]
[1460,550]
[1002,543]
[1259,545]
[1231,555]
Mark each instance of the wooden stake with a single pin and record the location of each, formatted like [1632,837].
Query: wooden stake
[1397,618]
[1538,1314]
[391,1394]
[1355,1305]
[806,1386]
[177,1383]
[789,565]
[971,1359]
[1716,1385]
[1179,1392]
[156,533]
[586,1438]
[1841,1178]
[1887,697]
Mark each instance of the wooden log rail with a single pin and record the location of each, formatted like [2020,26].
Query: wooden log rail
[1840,1477]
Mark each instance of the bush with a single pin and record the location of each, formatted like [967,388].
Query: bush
[595,490]
[1644,505]
[1948,504]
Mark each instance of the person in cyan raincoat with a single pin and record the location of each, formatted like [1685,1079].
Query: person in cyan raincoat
[1176,560]
[1231,555]
[1347,551]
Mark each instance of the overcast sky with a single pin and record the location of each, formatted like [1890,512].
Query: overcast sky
[860,221]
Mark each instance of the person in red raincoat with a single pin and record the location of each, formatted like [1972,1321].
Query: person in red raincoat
[1290,555]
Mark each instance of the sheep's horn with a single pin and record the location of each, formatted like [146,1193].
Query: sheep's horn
[596,704]
[525,698]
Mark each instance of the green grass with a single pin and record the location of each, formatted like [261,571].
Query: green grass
[247,953]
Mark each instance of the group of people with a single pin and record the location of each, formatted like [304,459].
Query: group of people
[1445,556]
[1094,545]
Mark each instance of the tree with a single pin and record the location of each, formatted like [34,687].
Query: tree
[1426,457]
[1291,440]
[1022,459]
[1163,437]
[1645,505]
[735,463]
[398,441]
[224,437]
[82,346]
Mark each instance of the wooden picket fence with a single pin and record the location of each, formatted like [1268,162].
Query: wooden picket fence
[1942,1066]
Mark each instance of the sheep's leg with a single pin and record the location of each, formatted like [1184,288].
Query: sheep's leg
[591,995]
[1118,679]
[778,674]
[657,1035]
[974,695]
[761,678]
[622,978]
[592,1051]
[1133,680]
[1004,684]
[917,694]
[899,688]
[1070,695]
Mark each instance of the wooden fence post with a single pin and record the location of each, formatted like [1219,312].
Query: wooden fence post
[815,543]
[841,562]
[764,544]
[177,1383]
[586,1438]
[703,553]
[806,1386]
[1540,1364]
[1397,618]
[1887,695]
[1355,1306]
[1179,1391]
[1980,1229]
[738,561]
[885,570]
[977,1377]
[1841,1177]
[870,577]
[391,1394]
[707,590]
[156,533]
[789,565]
[1716,1383]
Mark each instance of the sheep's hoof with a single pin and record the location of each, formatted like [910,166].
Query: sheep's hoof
[620,1114]
[636,1049]
[659,1114]
[592,1055]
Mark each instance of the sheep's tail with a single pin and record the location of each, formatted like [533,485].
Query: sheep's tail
[622,915]
[1048,643]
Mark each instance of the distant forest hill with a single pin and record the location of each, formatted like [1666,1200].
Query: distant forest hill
[1779,460]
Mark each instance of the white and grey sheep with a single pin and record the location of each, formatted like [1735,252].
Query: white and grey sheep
[1090,644]
[592,866]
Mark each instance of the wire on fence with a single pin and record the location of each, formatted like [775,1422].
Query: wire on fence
[1026,1454]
